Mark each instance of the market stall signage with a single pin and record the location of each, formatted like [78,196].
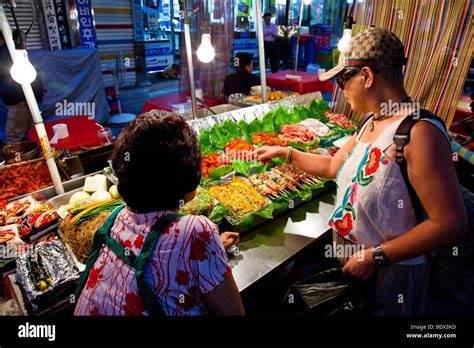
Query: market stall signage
[137,17]
[158,55]
[86,23]
[61,18]
[51,25]
[246,45]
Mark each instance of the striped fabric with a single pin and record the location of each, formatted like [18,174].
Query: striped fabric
[114,28]
[438,44]
[210,77]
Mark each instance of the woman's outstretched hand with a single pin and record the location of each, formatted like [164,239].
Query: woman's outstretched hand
[267,153]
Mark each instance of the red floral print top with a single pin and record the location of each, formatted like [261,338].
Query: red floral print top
[373,204]
[189,261]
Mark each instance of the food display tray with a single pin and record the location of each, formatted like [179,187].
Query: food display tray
[226,226]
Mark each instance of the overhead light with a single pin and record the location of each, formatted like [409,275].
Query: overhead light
[307,2]
[346,35]
[22,71]
[205,52]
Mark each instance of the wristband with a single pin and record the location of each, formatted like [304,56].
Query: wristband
[289,155]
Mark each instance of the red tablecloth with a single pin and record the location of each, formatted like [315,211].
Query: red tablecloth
[82,133]
[309,83]
[165,102]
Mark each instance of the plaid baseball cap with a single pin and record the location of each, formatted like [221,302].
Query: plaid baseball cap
[373,47]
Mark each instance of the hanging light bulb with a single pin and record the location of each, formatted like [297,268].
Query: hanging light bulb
[205,52]
[22,71]
[346,35]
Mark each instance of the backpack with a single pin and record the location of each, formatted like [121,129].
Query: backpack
[452,266]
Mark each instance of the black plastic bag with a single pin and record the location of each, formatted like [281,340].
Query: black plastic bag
[330,294]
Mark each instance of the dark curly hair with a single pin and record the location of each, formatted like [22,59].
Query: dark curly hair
[157,161]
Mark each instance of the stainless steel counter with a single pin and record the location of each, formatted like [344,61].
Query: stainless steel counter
[265,248]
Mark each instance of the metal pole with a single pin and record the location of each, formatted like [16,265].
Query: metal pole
[34,109]
[298,36]
[261,51]
[189,54]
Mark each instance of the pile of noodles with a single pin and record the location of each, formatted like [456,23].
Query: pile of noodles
[80,237]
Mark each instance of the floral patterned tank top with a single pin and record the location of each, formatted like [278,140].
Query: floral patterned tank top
[373,204]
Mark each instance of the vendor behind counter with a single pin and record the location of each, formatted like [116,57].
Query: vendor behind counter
[243,79]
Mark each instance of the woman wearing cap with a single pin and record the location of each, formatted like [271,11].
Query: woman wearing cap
[373,205]
[146,259]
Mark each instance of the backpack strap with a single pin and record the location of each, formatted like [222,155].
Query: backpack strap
[402,138]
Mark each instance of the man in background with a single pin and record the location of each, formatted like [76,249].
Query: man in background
[269,35]
[19,118]
[243,79]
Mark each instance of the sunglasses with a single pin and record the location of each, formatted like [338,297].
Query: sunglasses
[345,76]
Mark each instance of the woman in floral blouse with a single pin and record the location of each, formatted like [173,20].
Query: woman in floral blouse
[373,205]
[146,259]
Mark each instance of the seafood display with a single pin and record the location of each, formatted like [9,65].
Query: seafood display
[340,120]
[209,163]
[268,139]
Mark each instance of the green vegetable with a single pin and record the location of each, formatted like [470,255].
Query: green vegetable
[254,127]
[294,116]
[232,130]
[216,138]
[248,168]
[205,141]
[96,211]
[305,147]
[305,195]
[218,213]
[267,123]
[280,118]
[266,212]
[79,198]
[220,172]
[200,205]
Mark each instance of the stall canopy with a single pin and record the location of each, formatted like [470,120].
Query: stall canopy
[71,78]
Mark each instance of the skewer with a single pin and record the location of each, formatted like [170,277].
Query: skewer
[309,187]
[299,184]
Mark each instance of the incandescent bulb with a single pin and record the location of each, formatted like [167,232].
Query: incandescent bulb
[205,52]
[346,36]
[22,71]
